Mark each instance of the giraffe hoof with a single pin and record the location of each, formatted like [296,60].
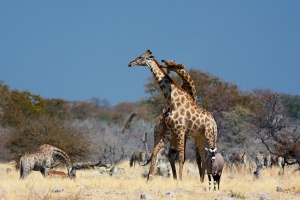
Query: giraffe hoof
[150,177]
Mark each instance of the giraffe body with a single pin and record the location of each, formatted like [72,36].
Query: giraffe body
[183,118]
[42,160]
[160,128]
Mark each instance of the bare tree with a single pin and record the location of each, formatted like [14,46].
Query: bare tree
[273,128]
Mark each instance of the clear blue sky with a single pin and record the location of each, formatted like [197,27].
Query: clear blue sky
[76,50]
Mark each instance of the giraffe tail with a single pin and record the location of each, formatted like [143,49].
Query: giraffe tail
[21,169]
[148,161]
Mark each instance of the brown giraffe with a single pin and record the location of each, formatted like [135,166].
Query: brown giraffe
[184,118]
[160,127]
[128,123]
[42,160]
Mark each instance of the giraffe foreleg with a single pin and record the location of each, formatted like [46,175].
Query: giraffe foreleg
[200,164]
[156,149]
[200,142]
[181,145]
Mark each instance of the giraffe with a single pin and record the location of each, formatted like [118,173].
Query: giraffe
[160,127]
[128,123]
[42,160]
[184,117]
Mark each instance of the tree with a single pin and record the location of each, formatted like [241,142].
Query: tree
[292,105]
[17,105]
[31,133]
[272,126]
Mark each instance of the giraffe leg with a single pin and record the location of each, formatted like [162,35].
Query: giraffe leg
[160,145]
[171,155]
[200,165]
[43,172]
[200,155]
[47,170]
[181,145]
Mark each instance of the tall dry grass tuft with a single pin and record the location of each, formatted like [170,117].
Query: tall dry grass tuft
[129,184]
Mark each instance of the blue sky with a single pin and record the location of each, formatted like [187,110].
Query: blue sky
[76,50]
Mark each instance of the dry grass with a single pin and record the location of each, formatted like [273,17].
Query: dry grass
[90,184]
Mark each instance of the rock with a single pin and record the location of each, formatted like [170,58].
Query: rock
[262,196]
[8,170]
[279,189]
[145,196]
[170,194]
[57,189]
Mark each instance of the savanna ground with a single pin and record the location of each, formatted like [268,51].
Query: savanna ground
[129,184]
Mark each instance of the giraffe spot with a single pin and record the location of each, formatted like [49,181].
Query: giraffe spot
[176,115]
[180,120]
[182,111]
[182,99]
[188,114]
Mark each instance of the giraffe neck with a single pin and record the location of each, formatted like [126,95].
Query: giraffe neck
[187,83]
[63,156]
[166,84]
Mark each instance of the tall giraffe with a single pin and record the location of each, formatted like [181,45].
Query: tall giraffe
[128,123]
[184,118]
[42,160]
[159,128]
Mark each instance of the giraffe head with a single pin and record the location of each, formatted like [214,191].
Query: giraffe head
[171,65]
[212,152]
[72,173]
[141,60]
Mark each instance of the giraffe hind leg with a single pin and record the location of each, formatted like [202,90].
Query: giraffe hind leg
[171,158]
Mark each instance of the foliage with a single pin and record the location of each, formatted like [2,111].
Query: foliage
[17,105]
[292,105]
[272,126]
[235,128]
[215,94]
[31,133]
[58,108]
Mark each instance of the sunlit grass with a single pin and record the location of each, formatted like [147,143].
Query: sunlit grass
[91,184]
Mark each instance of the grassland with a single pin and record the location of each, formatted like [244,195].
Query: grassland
[91,184]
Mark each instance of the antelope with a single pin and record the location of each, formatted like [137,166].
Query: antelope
[214,167]
[58,174]
[137,156]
